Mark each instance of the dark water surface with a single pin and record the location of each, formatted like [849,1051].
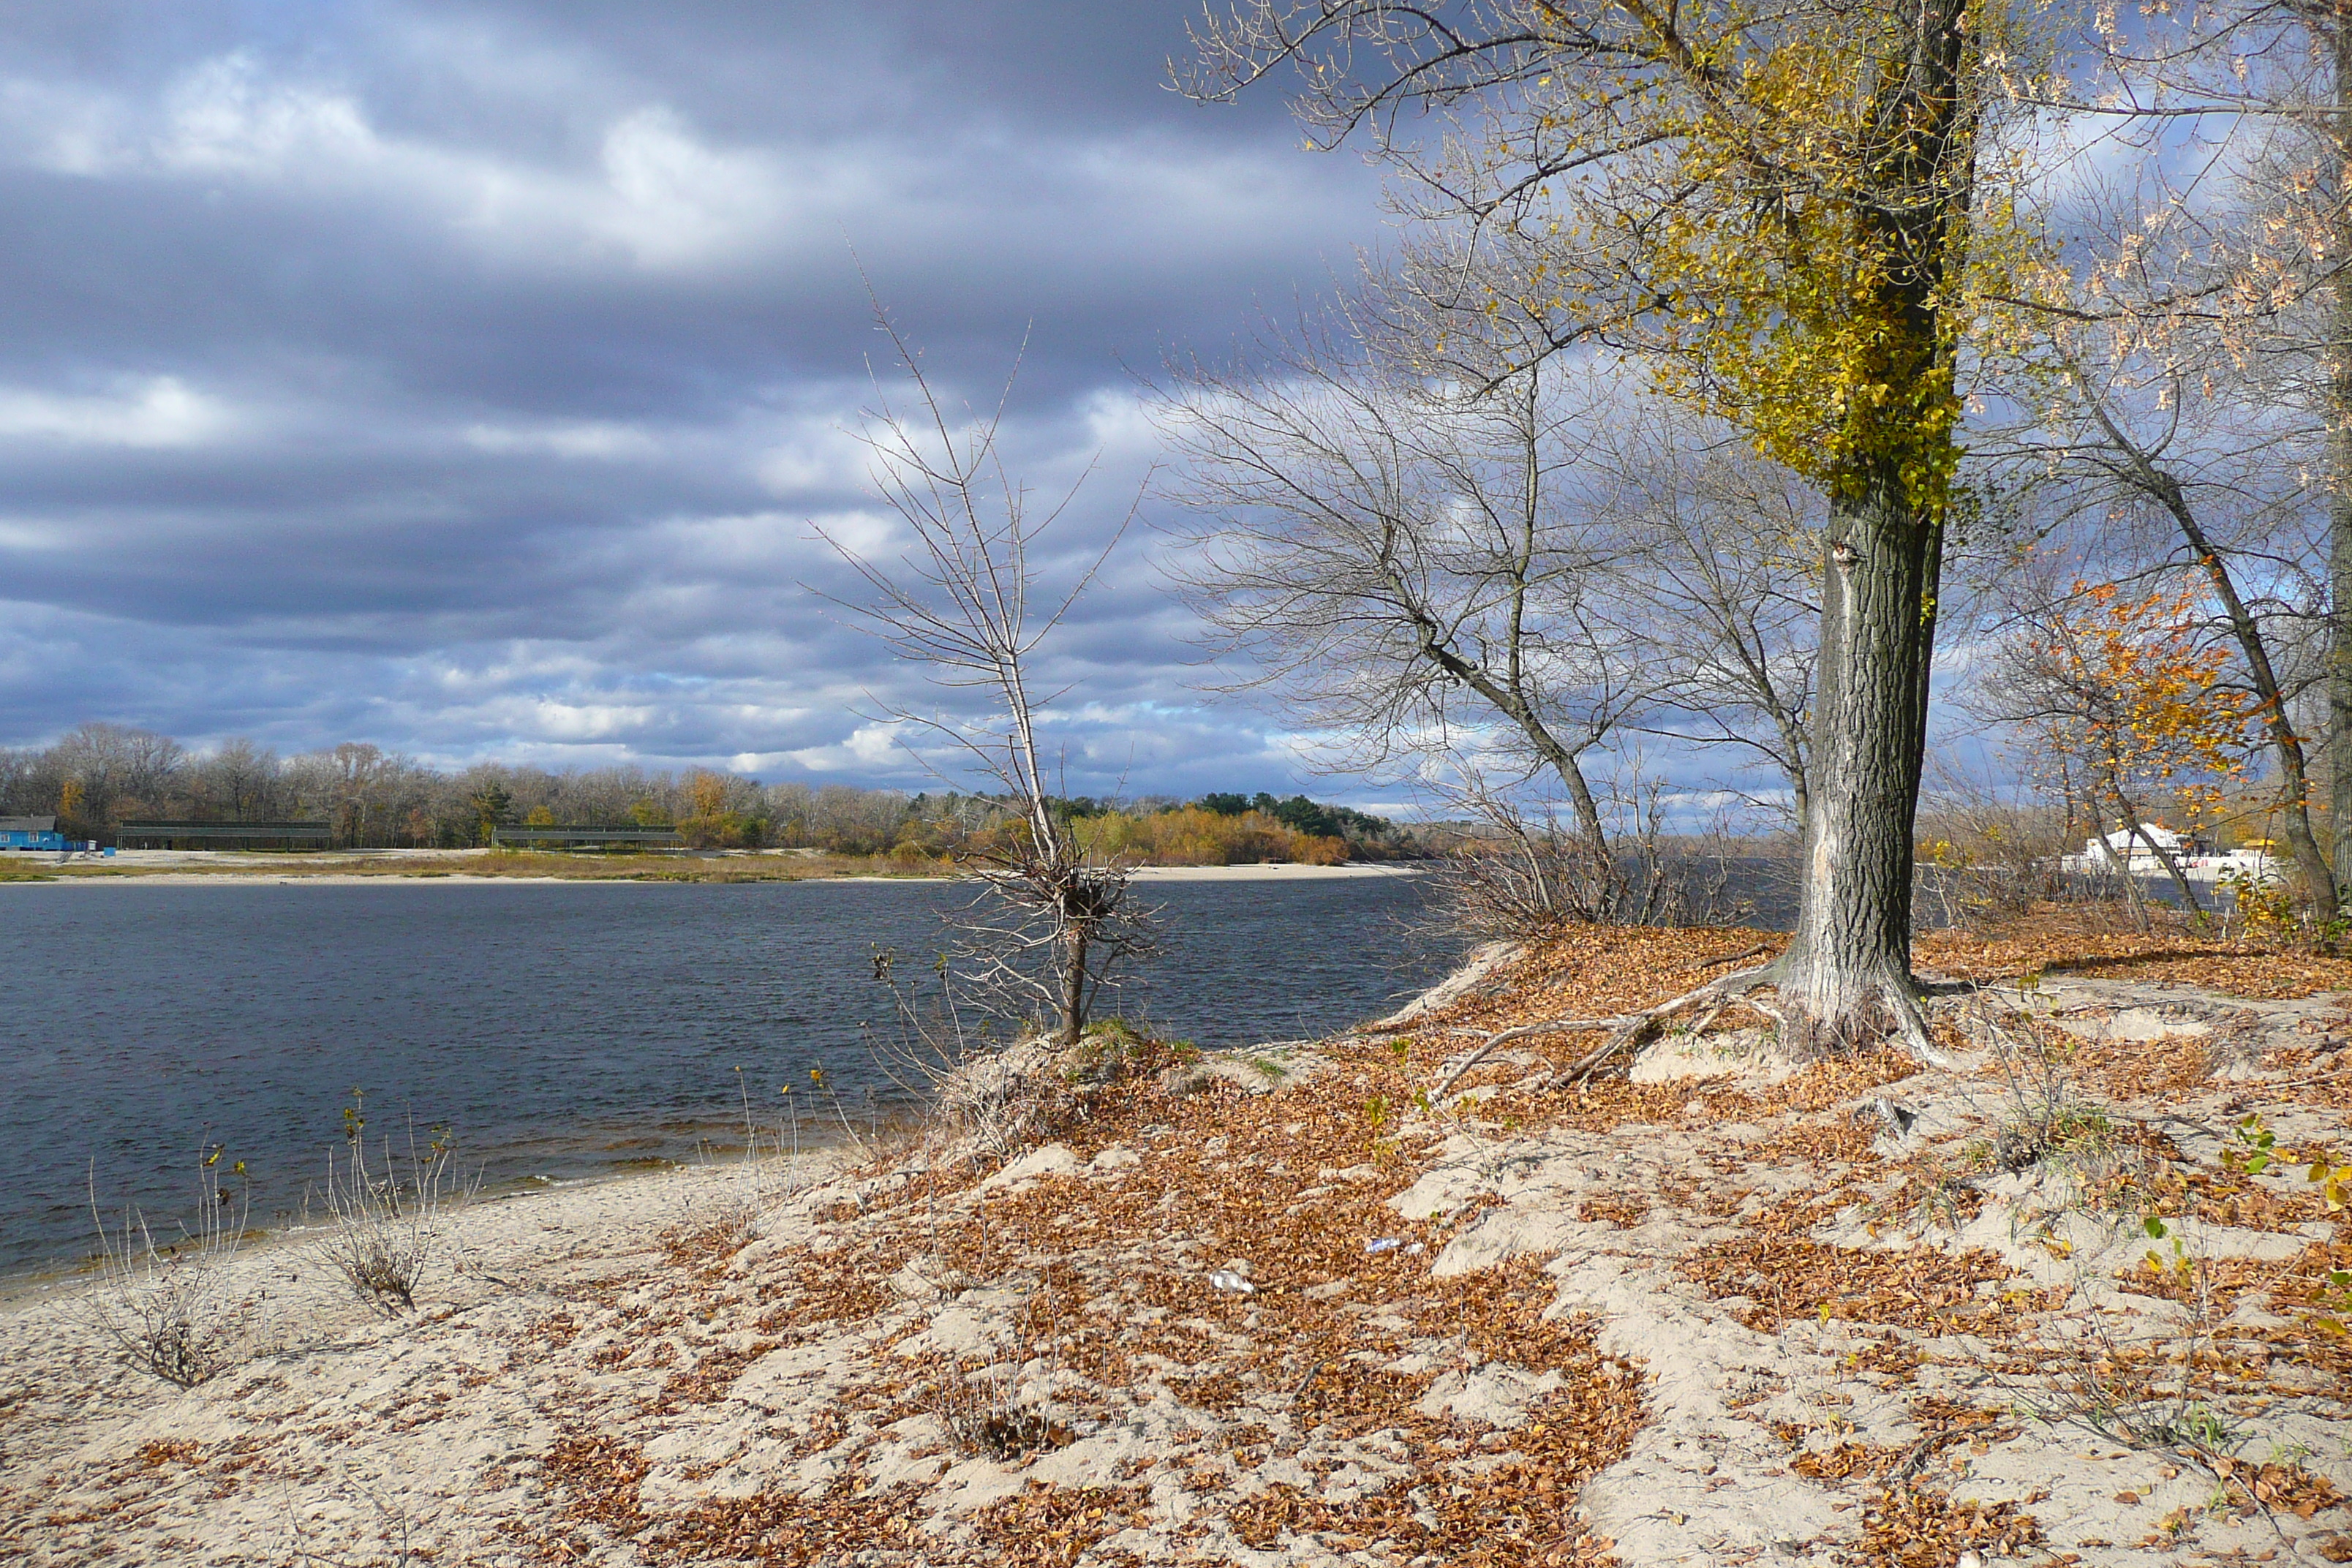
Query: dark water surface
[561,1030]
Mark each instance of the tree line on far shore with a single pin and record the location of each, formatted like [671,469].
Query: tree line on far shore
[100,775]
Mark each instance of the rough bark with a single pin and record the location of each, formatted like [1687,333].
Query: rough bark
[1847,970]
[2339,477]
[1075,943]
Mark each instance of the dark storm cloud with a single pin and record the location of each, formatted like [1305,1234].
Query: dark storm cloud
[464,377]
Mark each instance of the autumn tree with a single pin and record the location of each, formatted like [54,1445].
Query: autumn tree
[2153,461]
[2220,271]
[2128,693]
[1787,212]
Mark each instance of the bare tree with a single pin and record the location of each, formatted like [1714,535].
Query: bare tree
[116,765]
[1054,922]
[1722,587]
[238,779]
[1402,560]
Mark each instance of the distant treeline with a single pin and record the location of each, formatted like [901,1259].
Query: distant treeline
[101,775]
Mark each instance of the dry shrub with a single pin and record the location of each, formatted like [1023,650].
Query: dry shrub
[1001,1102]
[172,1307]
[386,1229]
[1001,1409]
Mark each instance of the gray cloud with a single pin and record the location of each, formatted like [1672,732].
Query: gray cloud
[464,377]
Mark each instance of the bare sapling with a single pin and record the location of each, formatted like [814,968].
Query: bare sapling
[386,1226]
[1052,922]
[172,1306]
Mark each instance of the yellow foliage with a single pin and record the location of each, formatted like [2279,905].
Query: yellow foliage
[708,792]
[1191,835]
[1812,226]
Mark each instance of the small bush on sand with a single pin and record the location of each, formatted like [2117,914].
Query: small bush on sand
[1004,1411]
[172,1307]
[383,1228]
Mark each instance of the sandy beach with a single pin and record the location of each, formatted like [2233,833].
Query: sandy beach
[1266,1308]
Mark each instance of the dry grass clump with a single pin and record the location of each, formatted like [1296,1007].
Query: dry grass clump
[386,1229]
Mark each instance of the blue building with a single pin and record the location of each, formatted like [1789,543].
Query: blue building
[31,833]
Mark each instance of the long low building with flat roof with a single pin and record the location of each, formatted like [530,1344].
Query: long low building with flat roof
[178,834]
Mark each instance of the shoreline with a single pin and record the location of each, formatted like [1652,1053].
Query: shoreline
[135,875]
[22,1289]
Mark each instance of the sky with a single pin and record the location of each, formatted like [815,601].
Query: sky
[472,379]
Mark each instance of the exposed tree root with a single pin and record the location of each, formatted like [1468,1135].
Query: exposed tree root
[1902,1000]
[1626,1029]
[1521,1032]
[1631,1031]
[1745,954]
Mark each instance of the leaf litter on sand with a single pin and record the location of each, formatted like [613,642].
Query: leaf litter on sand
[779,1393]
[2052,940]
[1335,1348]
[1330,1346]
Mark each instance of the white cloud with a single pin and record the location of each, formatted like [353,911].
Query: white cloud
[648,187]
[156,412]
[590,440]
[224,117]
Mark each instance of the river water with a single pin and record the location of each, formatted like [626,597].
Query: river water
[562,1031]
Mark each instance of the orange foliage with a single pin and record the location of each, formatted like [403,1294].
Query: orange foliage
[2137,696]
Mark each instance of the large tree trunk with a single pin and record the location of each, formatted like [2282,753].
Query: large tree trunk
[2338,361]
[2339,596]
[1847,971]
